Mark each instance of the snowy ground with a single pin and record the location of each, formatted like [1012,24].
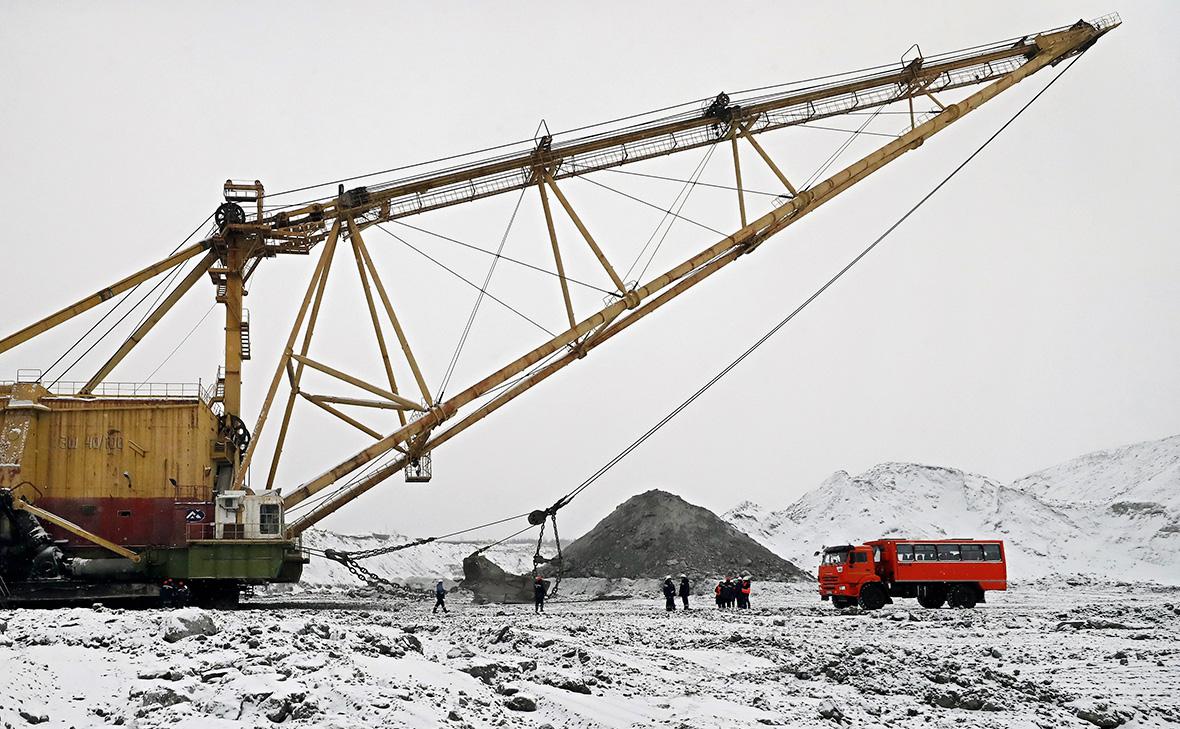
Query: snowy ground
[327,659]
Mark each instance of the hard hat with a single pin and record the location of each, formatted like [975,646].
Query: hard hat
[668,577]
[684,577]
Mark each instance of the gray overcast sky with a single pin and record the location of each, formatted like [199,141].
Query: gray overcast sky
[1025,315]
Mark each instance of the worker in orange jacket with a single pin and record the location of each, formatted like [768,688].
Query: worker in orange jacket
[743,590]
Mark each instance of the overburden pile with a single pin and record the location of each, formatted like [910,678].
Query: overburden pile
[656,533]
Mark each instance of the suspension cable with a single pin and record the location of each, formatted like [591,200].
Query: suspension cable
[182,341]
[650,204]
[487,280]
[831,160]
[510,259]
[676,216]
[688,185]
[125,296]
[112,327]
[462,278]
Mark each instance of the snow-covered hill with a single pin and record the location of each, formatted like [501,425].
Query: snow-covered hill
[1142,473]
[418,566]
[1112,513]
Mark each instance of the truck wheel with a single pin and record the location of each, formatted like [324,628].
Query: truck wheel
[872,596]
[932,597]
[962,596]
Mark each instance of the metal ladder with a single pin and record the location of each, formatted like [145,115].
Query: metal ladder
[244,332]
[219,388]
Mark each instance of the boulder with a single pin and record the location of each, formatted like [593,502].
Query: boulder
[186,623]
[163,696]
[521,702]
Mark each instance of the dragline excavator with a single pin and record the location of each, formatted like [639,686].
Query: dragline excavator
[108,488]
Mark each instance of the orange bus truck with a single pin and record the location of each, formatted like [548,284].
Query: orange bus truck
[955,572]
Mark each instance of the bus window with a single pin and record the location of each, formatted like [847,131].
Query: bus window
[971,552]
[924,553]
[991,552]
[948,553]
[905,553]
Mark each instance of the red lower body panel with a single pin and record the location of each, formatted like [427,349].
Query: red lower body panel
[127,521]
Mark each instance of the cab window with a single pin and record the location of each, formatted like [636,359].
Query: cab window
[971,552]
[924,553]
[835,557]
[859,557]
[991,552]
[948,553]
[905,553]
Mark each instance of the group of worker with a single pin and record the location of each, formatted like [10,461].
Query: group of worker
[671,591]
[730,592]
[174,594]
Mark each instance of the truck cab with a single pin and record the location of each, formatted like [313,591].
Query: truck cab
[844,570]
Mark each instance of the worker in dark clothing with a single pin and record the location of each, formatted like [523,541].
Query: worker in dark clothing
[539,590]
[718,594]
[669,594]
[183,594]
[743,595]
[685,589]
[440,597]
[168,594]
[727,588]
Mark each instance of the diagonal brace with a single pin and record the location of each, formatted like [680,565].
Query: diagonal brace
[610,271]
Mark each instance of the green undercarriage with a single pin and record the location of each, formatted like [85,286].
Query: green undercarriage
[242,560]
[246,561]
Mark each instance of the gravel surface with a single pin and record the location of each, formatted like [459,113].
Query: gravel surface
[1037,656]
